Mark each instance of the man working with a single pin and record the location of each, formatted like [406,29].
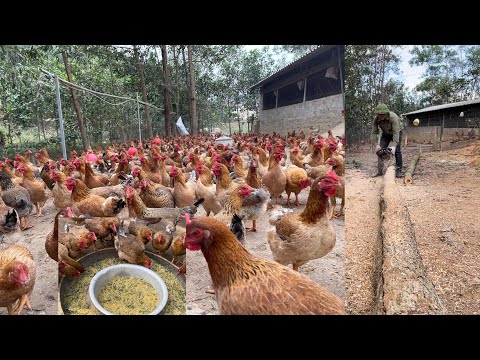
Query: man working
[391,126]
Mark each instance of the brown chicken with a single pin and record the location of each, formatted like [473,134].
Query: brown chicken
[157,196]
[103,227]
[85,202]
[207,190]
[239,166]
[224,185]
[260,157]
[59,252]
[17,277]
[320,170]
[35,188]
[131,249]
[338,165]
[297,180]
[16,180]
[247,285]
[77,239]
[183,190]
[274,179]
[248,203]
[162,240]
[299,237]
[121,170]
[253,179]
[137,208]
[178,246]
[62,198]
[140,230]
[92,180]
[45,174]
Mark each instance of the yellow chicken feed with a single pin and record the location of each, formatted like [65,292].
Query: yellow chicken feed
[127,295]
[76,301]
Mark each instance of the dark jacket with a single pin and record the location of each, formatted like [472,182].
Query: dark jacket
[390,126]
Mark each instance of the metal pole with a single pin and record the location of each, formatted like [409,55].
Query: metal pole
[60,118]
[341,74]
[138,117]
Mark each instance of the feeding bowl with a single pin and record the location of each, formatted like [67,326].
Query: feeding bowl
[104,276]
[109,253]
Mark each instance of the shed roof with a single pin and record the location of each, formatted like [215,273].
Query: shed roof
[445,106]
[319,50]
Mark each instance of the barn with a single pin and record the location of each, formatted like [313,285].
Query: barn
[306,94]
[444,122]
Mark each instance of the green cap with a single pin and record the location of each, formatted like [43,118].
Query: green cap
[381,109]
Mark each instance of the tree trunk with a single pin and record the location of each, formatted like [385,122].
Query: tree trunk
[167,100]
[193,114]
[188,86]
[76,104]
[408,179]
[177,86]
[144,91]
[406,286]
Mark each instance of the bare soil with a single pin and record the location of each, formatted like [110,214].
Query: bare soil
[443,203]
[327,271]
[44,296]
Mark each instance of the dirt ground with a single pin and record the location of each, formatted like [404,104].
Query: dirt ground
[443,203]
[327,271]
[44,295]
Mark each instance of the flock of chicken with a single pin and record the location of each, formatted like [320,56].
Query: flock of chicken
[118,196]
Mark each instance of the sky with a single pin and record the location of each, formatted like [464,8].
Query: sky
[409,75]
[288,57]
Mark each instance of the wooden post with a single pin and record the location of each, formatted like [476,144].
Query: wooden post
[408,179]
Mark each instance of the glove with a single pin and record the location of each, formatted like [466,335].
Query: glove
[392,150]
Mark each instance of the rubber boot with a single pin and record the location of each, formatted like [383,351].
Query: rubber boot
[398,172]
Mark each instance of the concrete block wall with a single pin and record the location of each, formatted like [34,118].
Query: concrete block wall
[427,134]
[323,114]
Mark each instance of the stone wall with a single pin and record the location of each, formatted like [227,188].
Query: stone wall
[323,114]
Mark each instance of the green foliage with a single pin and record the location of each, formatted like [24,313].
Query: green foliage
[452,73]
[28,107]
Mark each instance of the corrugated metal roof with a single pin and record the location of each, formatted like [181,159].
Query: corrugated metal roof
[319,50]
[445,106]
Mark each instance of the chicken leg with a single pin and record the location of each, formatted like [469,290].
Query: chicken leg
[10,310]
[296,200]
[26,227]
[24,301]
[39,210]
[254,226]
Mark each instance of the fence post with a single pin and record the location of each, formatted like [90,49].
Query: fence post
[60,118]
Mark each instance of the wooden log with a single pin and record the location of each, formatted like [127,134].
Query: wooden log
[408,179]
[406,286]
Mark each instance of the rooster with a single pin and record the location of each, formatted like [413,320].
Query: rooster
[247,285]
